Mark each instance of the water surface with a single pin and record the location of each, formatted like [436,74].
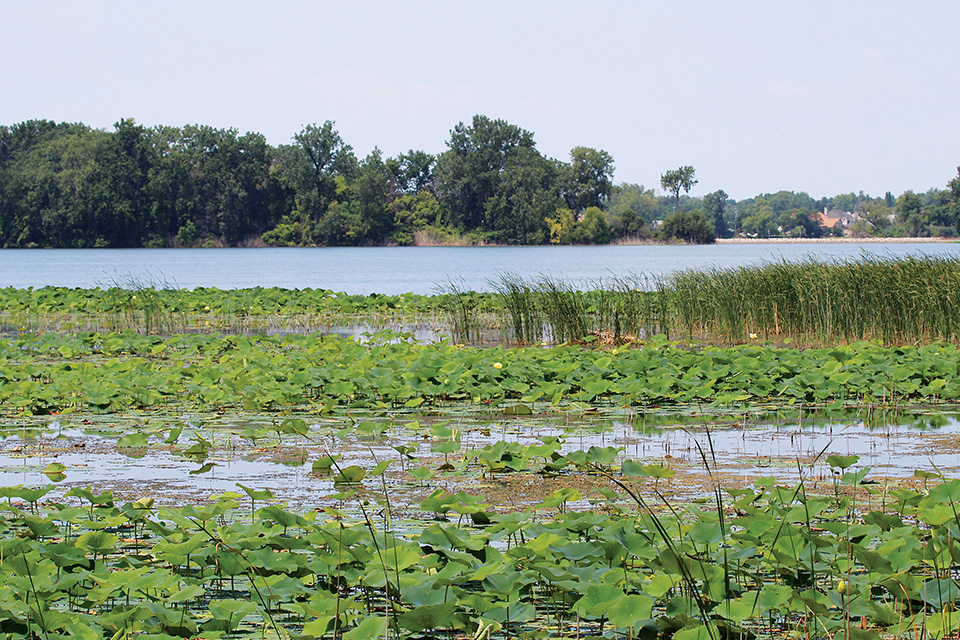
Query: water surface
[395,270]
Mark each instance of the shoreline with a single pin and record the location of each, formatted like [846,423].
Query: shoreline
[835,240]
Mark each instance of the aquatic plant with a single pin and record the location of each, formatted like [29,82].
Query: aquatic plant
[767,559]
[47,373]
[897,300]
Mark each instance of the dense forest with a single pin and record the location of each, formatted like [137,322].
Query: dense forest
[70,185]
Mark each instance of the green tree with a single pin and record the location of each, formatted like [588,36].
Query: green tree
[631,208]
[798,223]
[411,213]
[69,185]
[758,220]
[715,207]
[470,173]
[50,186]
[371,193]
[526,197]
[412,171]
[588,179]
[844,202]
[125,163]
[216,178]
[19,225]
[783,201]
[687,226]
[336,228]
[911,214]
[876,215]
[187,234]
[592,229]
[946,210]
[324,158]
[561,226]
[681,179]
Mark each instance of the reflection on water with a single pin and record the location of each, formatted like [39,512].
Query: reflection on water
[891,444]
[247,450]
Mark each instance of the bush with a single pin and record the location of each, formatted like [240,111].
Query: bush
[593,229]
[687,226]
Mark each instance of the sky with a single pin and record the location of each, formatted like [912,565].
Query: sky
[821,97]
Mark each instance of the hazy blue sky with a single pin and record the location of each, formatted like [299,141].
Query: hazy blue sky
[822,97]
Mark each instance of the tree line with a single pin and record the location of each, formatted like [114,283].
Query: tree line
[70,185]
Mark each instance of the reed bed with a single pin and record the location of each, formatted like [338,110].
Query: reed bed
[549,310]
[899,301]
[908,300]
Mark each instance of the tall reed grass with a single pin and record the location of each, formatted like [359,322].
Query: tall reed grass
[461,308]
[897,300]
[548,309]
[632,306]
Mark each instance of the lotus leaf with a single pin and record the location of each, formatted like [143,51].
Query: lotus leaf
[434,616]
[350,475]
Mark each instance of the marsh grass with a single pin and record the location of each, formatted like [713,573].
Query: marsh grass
[160,308]
[520,307]
[565,309]
[910,300]
[896,300]
[147,306]
[551,310]
[634,306]
[462,310]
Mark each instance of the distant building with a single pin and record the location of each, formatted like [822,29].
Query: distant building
[835,219]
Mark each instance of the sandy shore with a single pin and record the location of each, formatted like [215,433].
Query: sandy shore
[829,240]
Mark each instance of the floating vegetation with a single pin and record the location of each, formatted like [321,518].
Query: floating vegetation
[160,309]
[49,373]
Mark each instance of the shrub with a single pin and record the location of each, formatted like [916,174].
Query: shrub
[687,226]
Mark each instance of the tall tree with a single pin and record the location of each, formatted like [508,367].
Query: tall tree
[589,178]
[412,213]
[677,180]
[328,157]
[758,220]
[412,171]
[470,172]
[45,168]
[799,223]
[687,226]
[370,196]
[911,215]
[527,195]
[844,202]
[714,207]
[592,229]
[783,201]
[126,164]
[631,207]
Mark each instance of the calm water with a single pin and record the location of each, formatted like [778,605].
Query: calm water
[891,444]
[394,270]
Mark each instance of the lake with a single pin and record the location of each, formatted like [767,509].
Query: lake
[395,270]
